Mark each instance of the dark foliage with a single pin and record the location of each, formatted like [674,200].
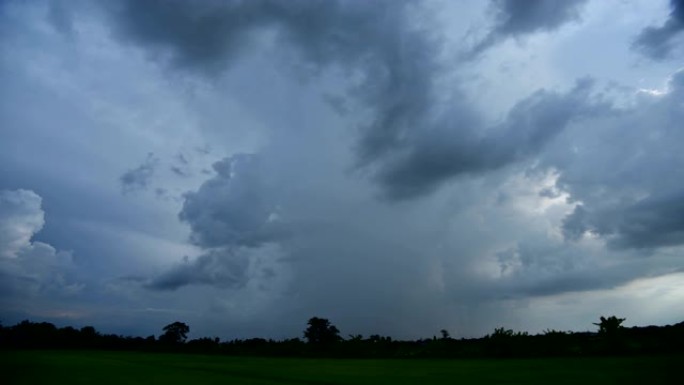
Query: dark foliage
[175,333]
[323,340]
[321,332]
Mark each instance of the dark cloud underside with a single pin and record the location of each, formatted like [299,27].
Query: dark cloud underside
[516,18]
[629,191]
[411,146]
[223,268]
[658,43]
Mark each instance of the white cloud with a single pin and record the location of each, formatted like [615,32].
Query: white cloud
[29,267]
[20,218]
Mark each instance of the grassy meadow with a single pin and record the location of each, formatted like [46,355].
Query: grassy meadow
[101,368]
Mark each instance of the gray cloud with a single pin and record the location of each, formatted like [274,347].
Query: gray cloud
[651,222]
[230,215]
[658,43]
[412,147]
[339,100]
[412,144]
[233,208]
[627,189]
[541,268]
[222,267]
[139,177]
[515,18]
[574,224]
[435,157]
[396,60]
[61,18]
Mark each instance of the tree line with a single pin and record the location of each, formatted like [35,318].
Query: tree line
[322,339]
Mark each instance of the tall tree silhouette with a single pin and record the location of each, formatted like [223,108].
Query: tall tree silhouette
[610,326]
[611,331]
[321,332]
[176,332]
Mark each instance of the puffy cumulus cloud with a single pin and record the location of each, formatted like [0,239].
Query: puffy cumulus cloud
[231,216]
[623,172]
[235,208]
[21,218]
[516,18]
[235,218]
[661,42]
[29,267]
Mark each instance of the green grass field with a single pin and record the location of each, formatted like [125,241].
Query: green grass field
[100,368]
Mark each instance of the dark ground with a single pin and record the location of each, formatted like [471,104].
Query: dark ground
[102,367]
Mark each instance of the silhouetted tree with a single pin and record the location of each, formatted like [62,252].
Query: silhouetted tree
[324,341]
[89,332]
[610,329]
[321,332]
[610,326]
[176,332]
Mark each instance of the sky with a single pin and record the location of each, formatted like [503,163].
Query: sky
[398,167]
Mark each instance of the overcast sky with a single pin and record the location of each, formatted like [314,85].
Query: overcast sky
[398,167]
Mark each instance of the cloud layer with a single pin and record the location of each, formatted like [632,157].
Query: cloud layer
[343,159]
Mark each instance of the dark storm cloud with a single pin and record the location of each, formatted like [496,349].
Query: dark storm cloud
[628,189]
[652,222]
[139,177]
[412,143]
[396,59]
[233,208]
[222,267]
[515,18]
[446,153]
[575,281]
[228,215]
[290,233]
[544,268]
[574,224]
[655,221]
[659,42]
